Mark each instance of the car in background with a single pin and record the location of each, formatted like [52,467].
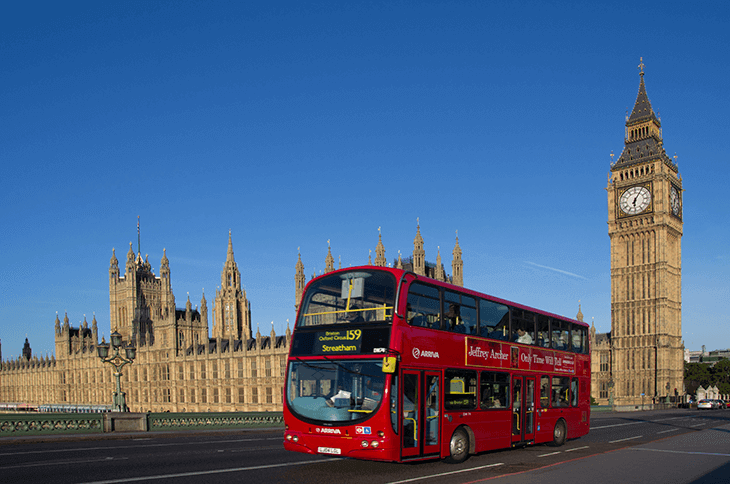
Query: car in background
[705,404]
[721,404]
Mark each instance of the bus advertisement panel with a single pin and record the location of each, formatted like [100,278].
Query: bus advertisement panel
[493,354]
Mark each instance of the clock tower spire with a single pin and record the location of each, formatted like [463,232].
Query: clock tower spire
[645,227]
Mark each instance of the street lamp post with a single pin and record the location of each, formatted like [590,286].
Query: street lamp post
[117,361]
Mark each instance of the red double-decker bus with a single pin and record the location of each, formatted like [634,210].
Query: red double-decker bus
[392,366]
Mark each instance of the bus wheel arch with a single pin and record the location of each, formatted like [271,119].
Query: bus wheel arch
[560,432]
[461,444]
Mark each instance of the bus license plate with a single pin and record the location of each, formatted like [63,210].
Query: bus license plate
[329,450]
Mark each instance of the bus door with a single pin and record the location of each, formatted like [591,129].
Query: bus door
[420,410]
[523,408]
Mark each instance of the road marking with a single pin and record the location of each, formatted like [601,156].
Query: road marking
[699,424]
[681,452]
[167,444]
[665,431]
[577,448]
[635,423]
[203,473]
[670,418]
[628,438]
[66,462]
[447,473]
[551,453]
[616,425]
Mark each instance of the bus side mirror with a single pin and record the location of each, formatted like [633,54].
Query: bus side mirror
[389,364]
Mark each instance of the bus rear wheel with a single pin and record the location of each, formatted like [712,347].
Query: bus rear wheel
[458,447]
[559,434]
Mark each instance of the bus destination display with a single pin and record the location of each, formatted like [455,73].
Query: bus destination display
[338,342]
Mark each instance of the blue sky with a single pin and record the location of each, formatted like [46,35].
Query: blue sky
[291,123]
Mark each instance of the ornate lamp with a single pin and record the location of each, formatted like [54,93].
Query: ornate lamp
[117,361]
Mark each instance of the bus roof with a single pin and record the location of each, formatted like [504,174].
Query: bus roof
[398,273]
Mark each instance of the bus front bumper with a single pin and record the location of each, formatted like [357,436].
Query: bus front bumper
[360,447]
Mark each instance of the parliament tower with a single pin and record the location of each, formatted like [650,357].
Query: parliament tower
[645,228]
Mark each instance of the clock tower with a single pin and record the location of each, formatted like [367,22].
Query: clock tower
[645,228]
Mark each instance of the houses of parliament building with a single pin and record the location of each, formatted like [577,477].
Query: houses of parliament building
[180,365]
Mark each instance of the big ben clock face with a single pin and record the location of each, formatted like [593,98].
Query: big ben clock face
[675,202]
[635,200]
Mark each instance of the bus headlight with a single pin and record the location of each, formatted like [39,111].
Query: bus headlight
[364,444]
[374,444]
[288,436]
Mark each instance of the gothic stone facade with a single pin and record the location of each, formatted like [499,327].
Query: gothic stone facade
[642,357]
[178,366]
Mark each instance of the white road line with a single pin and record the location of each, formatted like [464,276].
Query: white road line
[577,448]
[616,425]
[204,473]
[681,451]
[551,453]
[65,463]
[665,431]
[699,424]
[628,438]
[447,473]
[167,444]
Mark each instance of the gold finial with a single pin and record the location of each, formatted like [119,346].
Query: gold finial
[418,221]
[328,242]
[612,155]
[675,158]
[641,66]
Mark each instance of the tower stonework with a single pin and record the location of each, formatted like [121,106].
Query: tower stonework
[231,310]
[645,228]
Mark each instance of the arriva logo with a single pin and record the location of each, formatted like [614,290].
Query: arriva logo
[328,431]
[417,353]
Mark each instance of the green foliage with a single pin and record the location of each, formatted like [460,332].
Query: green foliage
[696,374]
[593,401]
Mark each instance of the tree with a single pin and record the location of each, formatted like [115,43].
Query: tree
[721,375]
[697,374]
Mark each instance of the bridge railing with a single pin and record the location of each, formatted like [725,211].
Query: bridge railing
[214,420]
[50,423]
[13,425]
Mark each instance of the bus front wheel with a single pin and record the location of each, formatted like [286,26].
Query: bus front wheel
[559,434]
[458,447]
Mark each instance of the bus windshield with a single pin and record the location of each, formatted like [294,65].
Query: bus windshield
[349,297]
[335,391]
